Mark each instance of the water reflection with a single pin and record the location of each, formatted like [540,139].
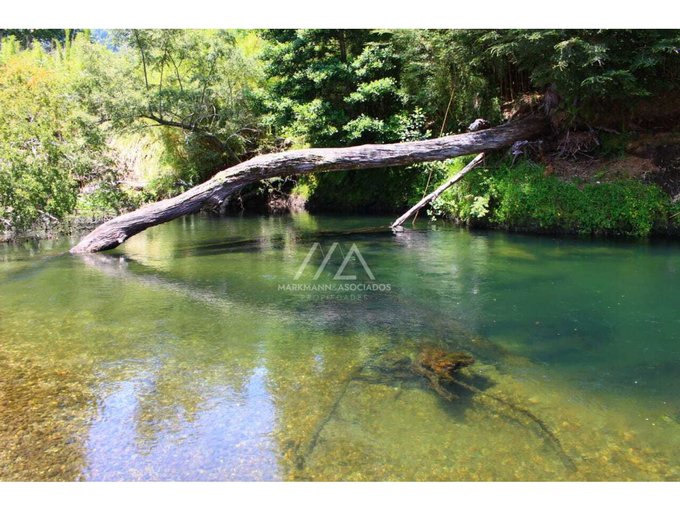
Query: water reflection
[144,433]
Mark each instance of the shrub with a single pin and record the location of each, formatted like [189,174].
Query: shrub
[521,197]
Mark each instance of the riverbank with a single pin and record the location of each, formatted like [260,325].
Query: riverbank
[603,185]
[529,197]
[71,226]
[515,199]
[594,183]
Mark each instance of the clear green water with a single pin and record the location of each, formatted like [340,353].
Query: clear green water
[187,354]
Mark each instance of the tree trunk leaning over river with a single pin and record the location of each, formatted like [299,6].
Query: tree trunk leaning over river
[298,162]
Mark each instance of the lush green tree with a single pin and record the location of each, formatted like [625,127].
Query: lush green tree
[590,66]
[443,76]
[334,87]
[70,105]
[26,37]
[470,73]
[199,83]
[329,88]
[49,145]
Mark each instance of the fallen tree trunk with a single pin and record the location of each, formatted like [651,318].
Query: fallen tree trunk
[214,191]
[435,194]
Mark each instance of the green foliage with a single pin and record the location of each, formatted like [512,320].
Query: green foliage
[84,121]
[444,75]
[376,191]
[674,216]
[304,186]
[593,70]
[48,143]
[341,87]
[458,75]
[613,145]
[67,104]
[333,87]
[109,199]
[26,37]
[523,198]
[201,83]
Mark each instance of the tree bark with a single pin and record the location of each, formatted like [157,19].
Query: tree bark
[224,183]
[441,189]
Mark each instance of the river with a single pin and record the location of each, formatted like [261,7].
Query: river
[279,348]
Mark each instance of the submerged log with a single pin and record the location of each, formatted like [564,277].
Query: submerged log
[223,184]
[441,368]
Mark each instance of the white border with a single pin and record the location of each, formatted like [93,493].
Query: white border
[340,13]
[346,14]
[344,496]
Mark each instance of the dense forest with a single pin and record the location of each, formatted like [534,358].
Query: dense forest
[95,123]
